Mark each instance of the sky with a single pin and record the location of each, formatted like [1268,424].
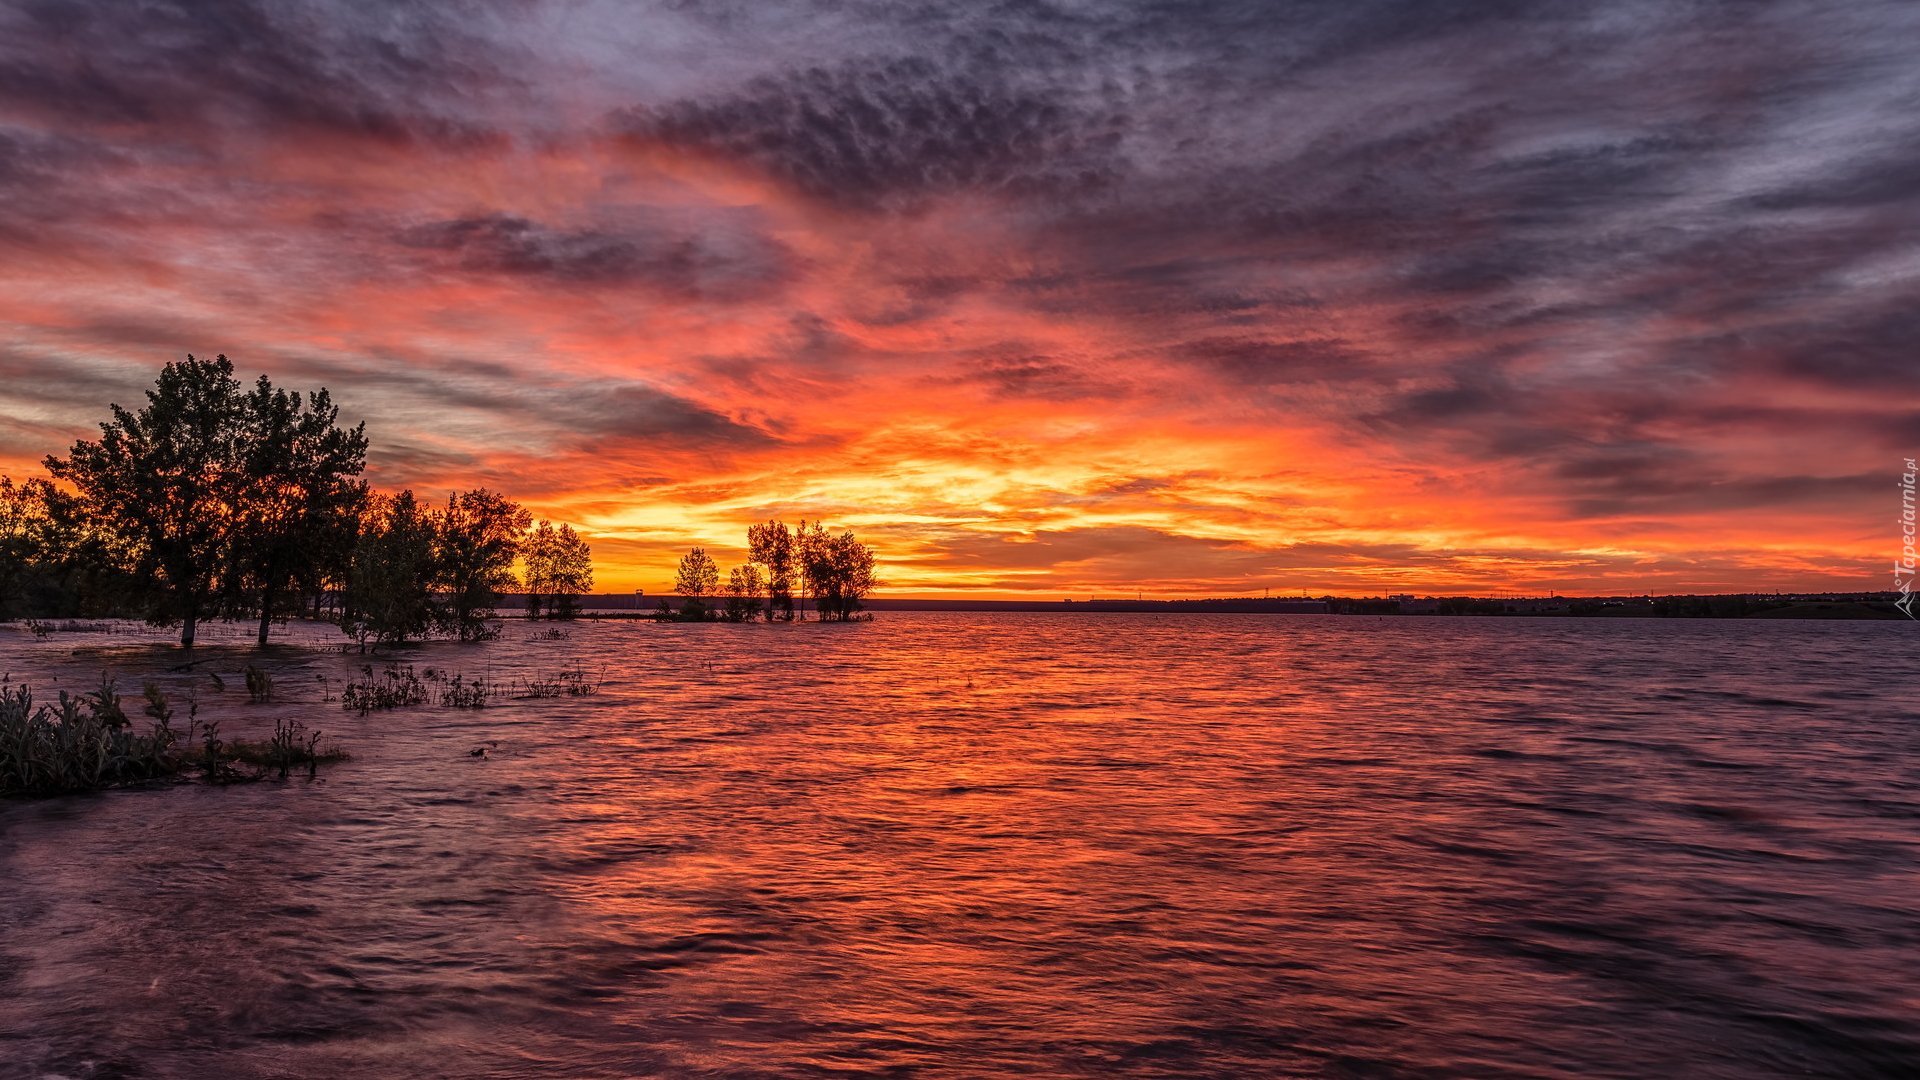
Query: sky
[1040,299]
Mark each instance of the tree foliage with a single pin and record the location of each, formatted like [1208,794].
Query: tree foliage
[771,545]
[171,481]
[480,534]
[389,595]
[214,500]
[24,529]
[745,587]
[559,570]
[840,571]
[222,499]
[697,578]
[298,509]
[809,540]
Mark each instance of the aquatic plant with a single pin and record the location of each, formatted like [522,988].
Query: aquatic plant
[395,688]
[259,686]
[568,684]
[157,706]
[541,688]
[458,692]
[291,744]
[106,703]
[80,744]
[578,686]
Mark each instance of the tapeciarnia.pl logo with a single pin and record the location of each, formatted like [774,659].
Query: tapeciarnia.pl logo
[1903,567]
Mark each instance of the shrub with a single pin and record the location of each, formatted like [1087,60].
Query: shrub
[81,744]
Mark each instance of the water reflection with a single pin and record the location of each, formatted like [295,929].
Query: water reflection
[956,845]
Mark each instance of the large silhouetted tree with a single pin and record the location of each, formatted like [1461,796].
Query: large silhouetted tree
[171,481]
[209,491]
[298,507]
[480,536]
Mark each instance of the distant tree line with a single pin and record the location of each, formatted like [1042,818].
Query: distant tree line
[215,501]
[835,572]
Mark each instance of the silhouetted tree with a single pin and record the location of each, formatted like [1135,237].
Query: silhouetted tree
[298,509]
[771,545]
[744,590]
[842,575]
[389,594]
[696,579]
[22,525]
[480,535]
[559,568]
[212,494]
[75,564]
[809,551]
[171,481]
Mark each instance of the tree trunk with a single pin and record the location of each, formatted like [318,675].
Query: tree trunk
[186,630]
[266,613]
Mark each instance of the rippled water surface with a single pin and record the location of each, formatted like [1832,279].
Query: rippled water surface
[1010,845]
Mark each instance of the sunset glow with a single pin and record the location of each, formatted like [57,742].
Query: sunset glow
[1210,304]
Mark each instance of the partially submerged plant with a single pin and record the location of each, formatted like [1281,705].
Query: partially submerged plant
[568,683]
[80,744]
[291,744]
[396,688]
[87,743]
[106,703]
[259,686]
[157,706]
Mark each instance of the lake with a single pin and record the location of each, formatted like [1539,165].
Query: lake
[946,845]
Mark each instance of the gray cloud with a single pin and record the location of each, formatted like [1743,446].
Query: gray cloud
[887,133]
[734,263]
[362,70]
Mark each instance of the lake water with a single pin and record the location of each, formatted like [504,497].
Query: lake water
[946,845]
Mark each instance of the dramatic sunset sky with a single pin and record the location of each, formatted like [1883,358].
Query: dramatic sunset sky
[1039,298]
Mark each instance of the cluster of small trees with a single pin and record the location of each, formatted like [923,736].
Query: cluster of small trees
[414,570]
[836,572]
[216,501]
